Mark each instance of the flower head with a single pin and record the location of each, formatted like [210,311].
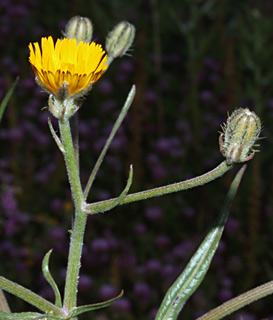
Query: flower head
[79,28]
[68,66]
[240,133]
[120,39]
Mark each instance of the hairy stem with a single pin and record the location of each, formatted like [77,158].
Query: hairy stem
[76,241]
[175,187]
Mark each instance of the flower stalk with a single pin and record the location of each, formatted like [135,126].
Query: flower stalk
[76,242]
[156,192]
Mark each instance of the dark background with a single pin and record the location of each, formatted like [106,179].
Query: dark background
[192,62]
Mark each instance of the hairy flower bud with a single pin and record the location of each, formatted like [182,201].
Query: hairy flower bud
[120,39]
[239,135]
[79,28]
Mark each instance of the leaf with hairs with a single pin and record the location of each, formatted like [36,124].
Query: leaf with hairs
[30,297]
[50,280]
[194,273]
[27,316]
[90,307]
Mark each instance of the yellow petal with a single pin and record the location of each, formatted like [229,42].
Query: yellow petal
[67,61]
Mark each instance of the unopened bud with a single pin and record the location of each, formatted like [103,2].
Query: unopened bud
[239,135]
[120,39]
[79,28]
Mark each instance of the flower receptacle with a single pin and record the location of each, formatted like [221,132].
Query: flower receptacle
[64,109]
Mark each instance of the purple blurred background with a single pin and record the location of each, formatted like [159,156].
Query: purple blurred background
[192,62]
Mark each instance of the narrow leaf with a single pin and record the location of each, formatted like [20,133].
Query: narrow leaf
[50,280]
[26,316]
[121,196]
[82,309]
[55,137]
[192,276]
[29,296]
[21,315]
[116,126]
[239,302]
[7,97]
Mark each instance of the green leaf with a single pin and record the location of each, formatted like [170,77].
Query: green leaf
[118,200]
[115,128]
[55,137]
[124,192]
[21,315]
[7,97]
[26,316]
[90,307]
[29,296]
[50,280]
[192,276]
[239,302]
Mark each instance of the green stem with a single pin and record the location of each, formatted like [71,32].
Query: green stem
[239,302]
[76,242]
[74,262]
[188,184]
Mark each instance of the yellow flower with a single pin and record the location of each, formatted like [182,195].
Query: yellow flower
[76,66]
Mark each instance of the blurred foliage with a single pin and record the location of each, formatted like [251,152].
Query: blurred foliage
[192,62]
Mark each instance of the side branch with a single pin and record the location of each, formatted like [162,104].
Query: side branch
[175,187]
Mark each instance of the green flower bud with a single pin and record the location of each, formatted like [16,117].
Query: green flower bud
[120,39]
[239,135]
[79,28]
